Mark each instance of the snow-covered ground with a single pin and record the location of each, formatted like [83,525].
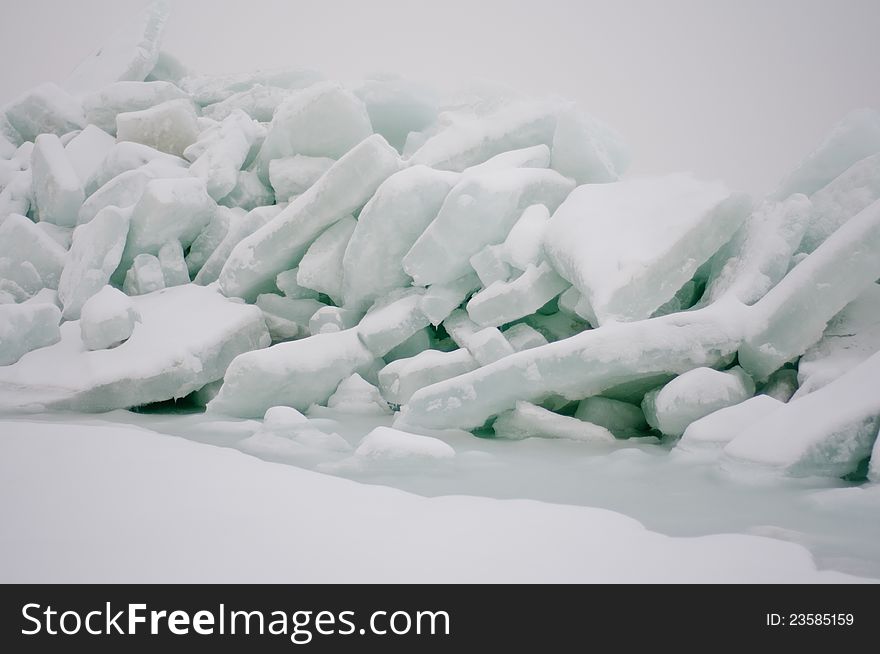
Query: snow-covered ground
[91,498]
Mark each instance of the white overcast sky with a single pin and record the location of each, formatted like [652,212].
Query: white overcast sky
[737,90]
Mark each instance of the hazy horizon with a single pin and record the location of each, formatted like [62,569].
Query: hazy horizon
[738,91]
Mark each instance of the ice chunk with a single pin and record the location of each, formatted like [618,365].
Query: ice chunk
[479,211]
[249,192]
[123,191]
[169,209]
[397,107]
[130,54]
[22,241]
[169,127]
[386,445]
[524,244]
[693,395]
[403,377]
[622,419]
[238,230]
[321,266]
[168,68]
[528,420]
[556,326]
[402,207]
[472,140]
[144,276]
[490,266]
[279,245]
[173,265]
[294,175]
[17,197]
[720,427]
[94,255]
[629,246]
[324,120]
[355,395]
[297,373]
[186,338]
[757,256]
[827,432]
[87,150]
[210,238]
[128,156]
[19,280]
[585,364]
[841,199]
[392,320]
[57,188]
[852,336]
[287,284]
[587,150]
[224,153]
[284,420]
[259,102]
[104,105]
[26,327]
[45,109]
[108,319]
[208,90]
[855,137]
[333,319]
[793,315]
[537,156]
[522,337]
[486,345]
[504,302]
[442,299]
[286,317]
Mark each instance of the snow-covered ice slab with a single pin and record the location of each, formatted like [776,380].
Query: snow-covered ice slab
[325,120]
[170,127]
[130,54]
[841,199]
[403,377]
[44,109]
[694,395]
[827,432]
[26,327]
[186,338]
[397,214]
[504,302]
[720,427]
[279,245]
[588,544]
[851,337]
[794,314]
[102,106]
[94,254]
[23,243]
[758,255]
[853,138]
[479,211]
[528,420]
[392,320]
[298,374]
[629,246]
[473,140]
[583,365]
[57,188]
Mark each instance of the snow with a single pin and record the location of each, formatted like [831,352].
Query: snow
[186,338]
[629,246]
[125,543]
[388,445]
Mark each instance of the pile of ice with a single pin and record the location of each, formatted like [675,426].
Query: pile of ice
[274,239]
